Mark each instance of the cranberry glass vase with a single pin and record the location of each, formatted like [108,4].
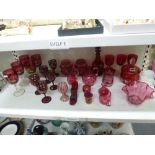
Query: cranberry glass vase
[138,92]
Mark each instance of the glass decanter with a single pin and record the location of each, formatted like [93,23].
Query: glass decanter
[97,64]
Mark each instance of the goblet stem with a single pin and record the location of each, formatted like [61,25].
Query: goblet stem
[24,81]
[53,87]
[19,91]
[47,81]
[37,70]
[16,87]
[37,92]
[64,97]
[46,99]
[53,71]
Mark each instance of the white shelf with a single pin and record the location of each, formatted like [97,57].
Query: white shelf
[30,106]
[42,36]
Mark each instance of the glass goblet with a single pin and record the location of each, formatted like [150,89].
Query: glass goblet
[19,70]
[34,80]
[17,67]
[66,66]
[53,65]
[51,77]
[109,59]
[104,96]
[13,78]
[31,69]
[28,66]
[24,60]
[43,69]
[121,59]
[36,60]
[62,88]
[42,89]
[81,65]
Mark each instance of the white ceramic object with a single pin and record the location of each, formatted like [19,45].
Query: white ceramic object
[10,129]
[150,82]
[134,28]
[148,73]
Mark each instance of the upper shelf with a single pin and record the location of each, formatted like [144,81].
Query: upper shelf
[46,37]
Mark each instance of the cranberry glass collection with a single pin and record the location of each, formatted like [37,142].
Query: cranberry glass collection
[12,76]
[42,76]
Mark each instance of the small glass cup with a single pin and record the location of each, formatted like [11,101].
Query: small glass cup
[88,97]
[105,96]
